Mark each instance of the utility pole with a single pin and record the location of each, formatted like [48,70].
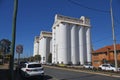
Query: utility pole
[114,39]
[13,40]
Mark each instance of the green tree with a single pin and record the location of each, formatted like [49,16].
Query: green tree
[5,45]
[37,57]
[31,58]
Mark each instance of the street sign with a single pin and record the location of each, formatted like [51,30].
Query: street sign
[19,49]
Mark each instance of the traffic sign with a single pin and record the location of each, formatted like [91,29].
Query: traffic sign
[19,49]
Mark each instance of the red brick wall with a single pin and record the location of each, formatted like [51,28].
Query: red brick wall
[98,57]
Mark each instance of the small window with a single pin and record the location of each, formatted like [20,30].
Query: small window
[105,65]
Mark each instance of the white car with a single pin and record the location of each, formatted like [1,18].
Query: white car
[32,69]
[88,66]
[108,67]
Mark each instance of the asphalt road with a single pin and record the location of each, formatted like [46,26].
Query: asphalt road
[58,74]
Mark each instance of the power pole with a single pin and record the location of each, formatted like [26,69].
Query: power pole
[114,39]
[13,40]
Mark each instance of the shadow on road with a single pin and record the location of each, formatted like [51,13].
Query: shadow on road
[19,77]
[4,75]
[46,77]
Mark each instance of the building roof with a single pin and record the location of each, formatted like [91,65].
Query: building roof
[106,48]
[82,21]
[45,34]
[36,39]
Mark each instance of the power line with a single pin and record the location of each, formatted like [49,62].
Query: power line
[117,21]
[83,6]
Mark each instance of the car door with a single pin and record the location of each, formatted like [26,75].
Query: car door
[103,67]
[107,67]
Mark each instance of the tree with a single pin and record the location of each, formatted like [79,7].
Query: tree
[50,58]
[31,58]
[37,57]
[5,45]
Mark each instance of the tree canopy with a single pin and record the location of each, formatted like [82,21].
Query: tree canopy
[5,46]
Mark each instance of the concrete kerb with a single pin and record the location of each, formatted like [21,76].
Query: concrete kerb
[76,70]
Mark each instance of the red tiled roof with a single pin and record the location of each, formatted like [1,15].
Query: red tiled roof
[104,49]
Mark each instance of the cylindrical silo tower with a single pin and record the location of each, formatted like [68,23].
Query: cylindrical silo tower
[81,45]
[74,45]
[47,48]
[36,46]
[53,44]
[62,53]
[57,43]
[69,43]
[88,38]
[44,49]
[41,48]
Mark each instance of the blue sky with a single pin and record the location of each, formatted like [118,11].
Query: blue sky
[38,15]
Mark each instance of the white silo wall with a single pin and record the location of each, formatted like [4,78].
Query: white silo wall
[88,38]
[41,48]
[36,48]
[74,45]
[57,44]
[77,44]
[53,44]
[47,48]
[81,45]
[44,49]
[62,53]
[85,45]
[69,44]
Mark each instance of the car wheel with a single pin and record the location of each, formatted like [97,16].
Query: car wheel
[99,69]
[42,77]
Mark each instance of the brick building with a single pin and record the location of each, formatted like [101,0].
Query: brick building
[105,55]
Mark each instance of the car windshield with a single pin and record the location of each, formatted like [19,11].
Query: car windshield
[34,65]
[112,65]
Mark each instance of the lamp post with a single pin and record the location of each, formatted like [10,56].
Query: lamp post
[13,39]
[113,33]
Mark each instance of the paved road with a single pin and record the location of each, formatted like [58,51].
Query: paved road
[58,74]
[4,75]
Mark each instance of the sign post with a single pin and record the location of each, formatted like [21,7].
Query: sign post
[19,50]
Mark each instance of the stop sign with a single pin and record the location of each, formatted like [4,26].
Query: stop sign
[19,49]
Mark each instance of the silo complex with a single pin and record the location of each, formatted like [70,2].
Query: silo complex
[45,45]
[71,43]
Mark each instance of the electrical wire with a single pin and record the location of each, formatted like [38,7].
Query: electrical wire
[83,6]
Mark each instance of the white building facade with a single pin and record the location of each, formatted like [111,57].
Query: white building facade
[71,40]
[44,46]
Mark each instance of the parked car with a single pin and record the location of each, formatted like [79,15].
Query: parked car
[108,67]
[32,69]
[19,65]
[88,66]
